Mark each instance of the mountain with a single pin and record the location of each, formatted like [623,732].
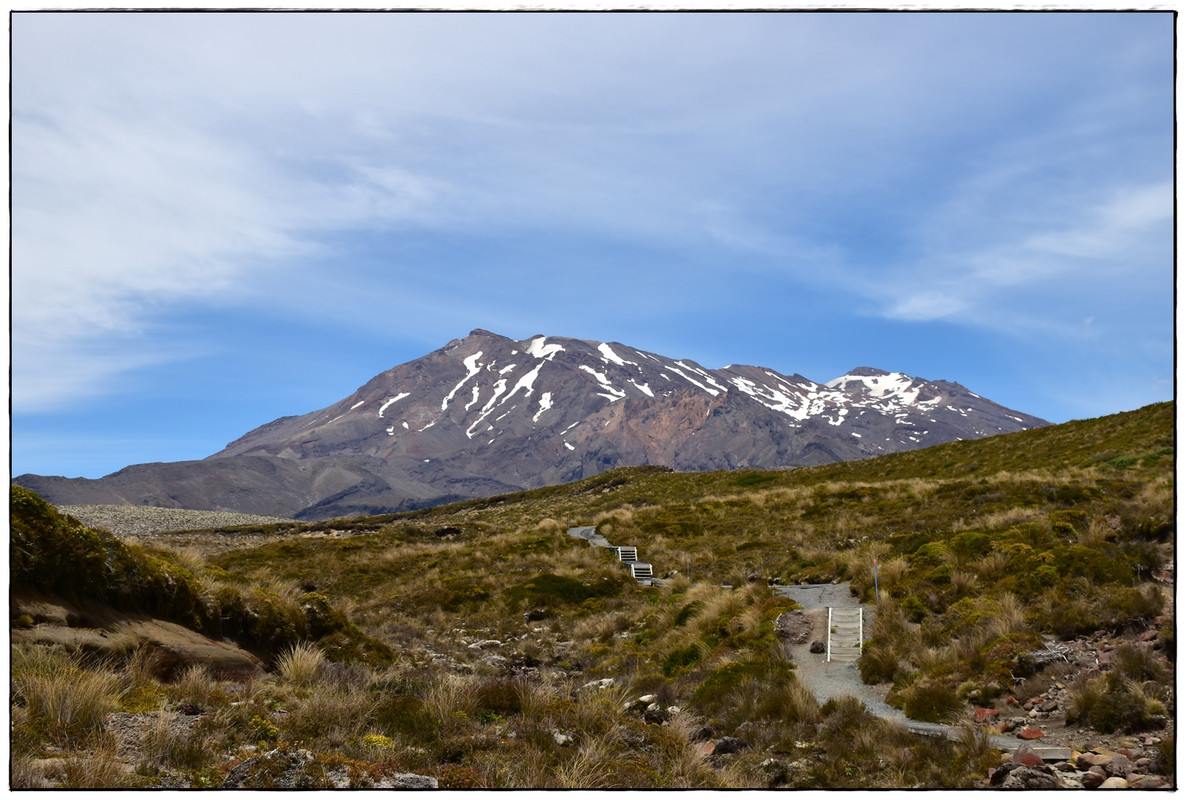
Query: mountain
[488,415]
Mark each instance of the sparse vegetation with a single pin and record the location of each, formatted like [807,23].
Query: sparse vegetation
[481,645]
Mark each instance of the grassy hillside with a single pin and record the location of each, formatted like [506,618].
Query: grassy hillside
[520,653]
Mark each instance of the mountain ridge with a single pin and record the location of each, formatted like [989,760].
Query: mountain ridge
[489,415]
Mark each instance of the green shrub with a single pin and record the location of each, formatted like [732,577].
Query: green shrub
[687,612]
[931,701]
[1109,703]
[681,659]
[547,589]
[879,663]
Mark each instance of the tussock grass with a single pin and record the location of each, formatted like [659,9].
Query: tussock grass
[982,548]
[64,701]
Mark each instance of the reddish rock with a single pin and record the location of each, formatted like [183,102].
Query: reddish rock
[1027,756]
[1092,779]
[1114,783]
[985,714]
[1012,701]
[1148,636]
[1147,782]
[1030,733]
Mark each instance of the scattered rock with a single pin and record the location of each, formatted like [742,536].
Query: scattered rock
[818,647]
[1114,783]
[562,739]
[1030,733]
[276,769]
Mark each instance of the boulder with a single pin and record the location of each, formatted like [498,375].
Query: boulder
[1093,777]
[1114,783]
[1019,776]
[1030,733]
[1120,766]
[818,647]
[1027,756]
[1089,760]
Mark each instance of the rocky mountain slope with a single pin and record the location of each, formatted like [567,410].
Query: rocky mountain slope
[488,415]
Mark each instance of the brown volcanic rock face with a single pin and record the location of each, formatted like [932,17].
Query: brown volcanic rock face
[487,415]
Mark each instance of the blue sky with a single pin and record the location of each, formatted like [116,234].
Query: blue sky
[221,219]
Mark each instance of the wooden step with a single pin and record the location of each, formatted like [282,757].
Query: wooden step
[639,570]
[627,553]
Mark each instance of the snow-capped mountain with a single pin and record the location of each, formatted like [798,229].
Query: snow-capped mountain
[486,415]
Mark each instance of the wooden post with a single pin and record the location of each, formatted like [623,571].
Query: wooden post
[829,656]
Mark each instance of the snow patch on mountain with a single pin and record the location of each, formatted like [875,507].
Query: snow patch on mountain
[608,354]
[391,400]
[540,349]
[472,368]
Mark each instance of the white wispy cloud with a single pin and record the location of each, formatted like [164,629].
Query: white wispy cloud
[923,167]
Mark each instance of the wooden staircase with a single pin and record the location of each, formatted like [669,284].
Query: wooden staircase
[846,634]
[628,555]
[640,571]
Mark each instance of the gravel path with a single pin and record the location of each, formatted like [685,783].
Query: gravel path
[836,679]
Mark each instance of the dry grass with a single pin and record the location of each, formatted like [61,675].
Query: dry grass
[300,664]
[63,700]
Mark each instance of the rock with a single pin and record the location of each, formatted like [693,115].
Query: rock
[1030,733]
[1147,782]
[1093,777]
[1027,756]
[1114,783]
[647,699]
[730,744]
[276,769]
[1019,776]
[656,716]
[985,714]
[1088,760]
[704,734]
[485,644]
[407,780]
[604,683]
[1120,766]
[299,769]
[818,647]
[562,739]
